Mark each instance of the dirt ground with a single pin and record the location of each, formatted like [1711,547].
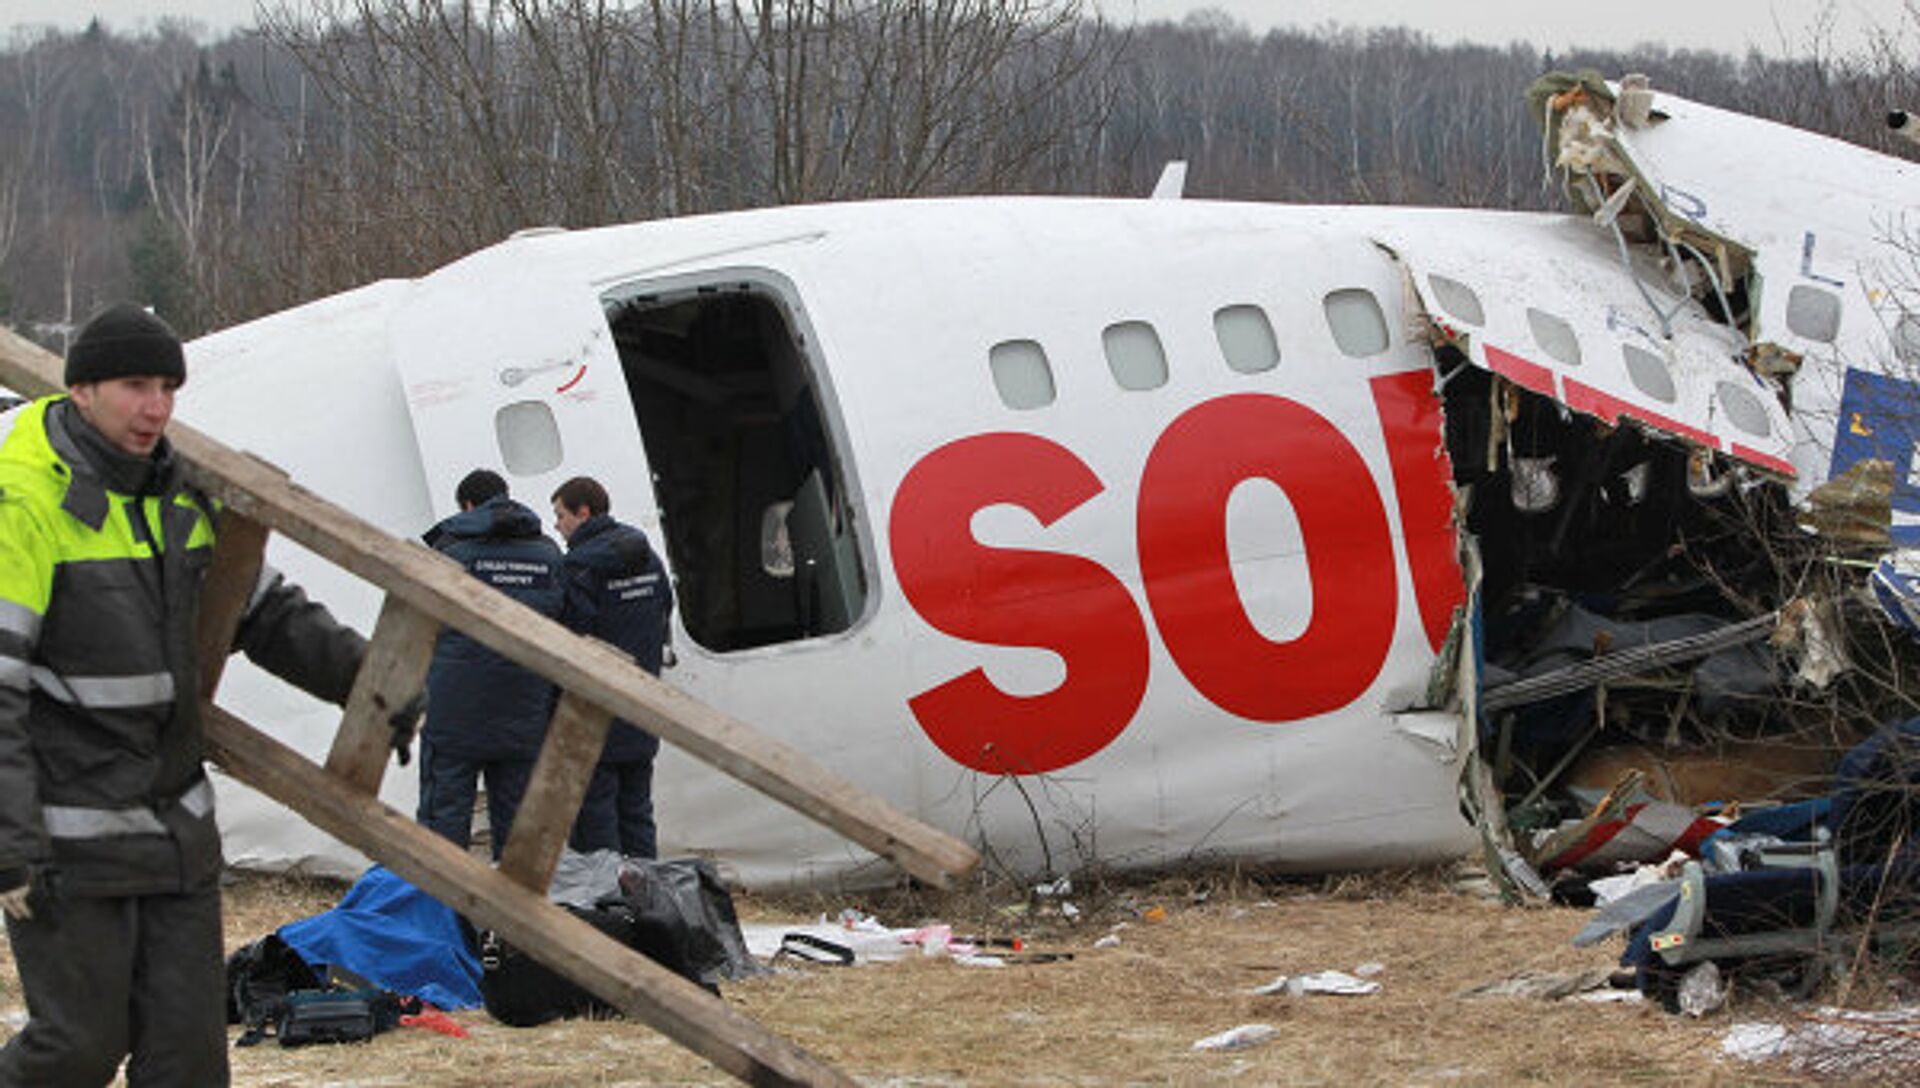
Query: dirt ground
[1189,952]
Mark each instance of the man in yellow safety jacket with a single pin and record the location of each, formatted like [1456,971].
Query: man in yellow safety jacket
[109,856]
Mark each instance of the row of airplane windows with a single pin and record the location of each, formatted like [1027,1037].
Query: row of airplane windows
[1023,376]
[1648,372]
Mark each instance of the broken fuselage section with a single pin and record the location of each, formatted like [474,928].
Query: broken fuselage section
[1679,444]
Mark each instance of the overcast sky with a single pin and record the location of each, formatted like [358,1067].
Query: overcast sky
[1730,26]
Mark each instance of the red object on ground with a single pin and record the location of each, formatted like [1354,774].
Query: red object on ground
[434,1020]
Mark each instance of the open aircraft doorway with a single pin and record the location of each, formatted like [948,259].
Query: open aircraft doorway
[753,502]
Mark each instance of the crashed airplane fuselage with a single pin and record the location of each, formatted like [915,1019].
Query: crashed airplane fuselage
[1099,531]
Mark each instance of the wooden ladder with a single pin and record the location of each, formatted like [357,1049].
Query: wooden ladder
[424,592]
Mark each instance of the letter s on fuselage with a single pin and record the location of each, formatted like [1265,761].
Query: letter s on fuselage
[1080,610]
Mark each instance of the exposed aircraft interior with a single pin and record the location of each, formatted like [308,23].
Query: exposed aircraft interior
[1596,539]
[1664,636]
[753,500]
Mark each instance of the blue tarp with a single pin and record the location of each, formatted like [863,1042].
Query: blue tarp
[395,936]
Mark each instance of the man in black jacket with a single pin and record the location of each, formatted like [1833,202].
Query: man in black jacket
[617,591]
[486,715]
[109,854]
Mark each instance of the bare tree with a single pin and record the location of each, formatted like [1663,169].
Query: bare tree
[450,125]
[183,166]
[356,139]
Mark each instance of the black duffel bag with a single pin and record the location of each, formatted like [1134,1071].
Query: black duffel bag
[676,913]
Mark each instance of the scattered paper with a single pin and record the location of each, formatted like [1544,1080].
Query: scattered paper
[1240,1038]
[1611,997]
[1835,1044]
[1320,982]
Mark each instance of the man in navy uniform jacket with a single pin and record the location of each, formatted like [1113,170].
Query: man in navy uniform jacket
[486,715]
[617,591]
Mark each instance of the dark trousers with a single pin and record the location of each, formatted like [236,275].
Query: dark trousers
[447,785]
[617,812]
[108,977]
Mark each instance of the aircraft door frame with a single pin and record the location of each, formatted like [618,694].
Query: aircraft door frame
[762,513]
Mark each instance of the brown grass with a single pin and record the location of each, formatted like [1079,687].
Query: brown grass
[1122,1015]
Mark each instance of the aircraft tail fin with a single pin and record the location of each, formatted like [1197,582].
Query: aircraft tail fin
[1173,181]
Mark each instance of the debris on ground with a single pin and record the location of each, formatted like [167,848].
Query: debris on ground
[1775,893]
[855,938]
[1544,985]
[1320,982]
[1703,991]
[1244,1037]
[1832,1043]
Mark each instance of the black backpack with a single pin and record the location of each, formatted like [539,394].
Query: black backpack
[260,976]
[271,991]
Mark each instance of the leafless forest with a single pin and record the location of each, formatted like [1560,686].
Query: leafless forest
[350,140]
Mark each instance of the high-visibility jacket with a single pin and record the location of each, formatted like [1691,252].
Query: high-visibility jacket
[101,742]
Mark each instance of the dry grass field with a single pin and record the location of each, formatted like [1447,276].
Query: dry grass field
[1123,1014]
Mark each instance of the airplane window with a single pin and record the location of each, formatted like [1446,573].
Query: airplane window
[1813,312]
[1354,317]
[1021,374]
[1554,336]
[1135,356]
[1649,372]
[1458,299]
[1246,338]
[529,437]
[1744,409]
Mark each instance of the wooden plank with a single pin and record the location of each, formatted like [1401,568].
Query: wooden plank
[560,777]
[393,672]
[597,673]
[27,368]
[622,977]
[239,551]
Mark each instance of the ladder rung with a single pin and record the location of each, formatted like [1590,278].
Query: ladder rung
[239,551]
[560,776]
[392,672]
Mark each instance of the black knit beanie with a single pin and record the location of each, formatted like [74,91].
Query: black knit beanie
[124,341]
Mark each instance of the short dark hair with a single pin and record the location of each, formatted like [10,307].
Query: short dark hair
[478,486]
[583,491]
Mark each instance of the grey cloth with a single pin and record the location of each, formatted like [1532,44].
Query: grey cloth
[583,879]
